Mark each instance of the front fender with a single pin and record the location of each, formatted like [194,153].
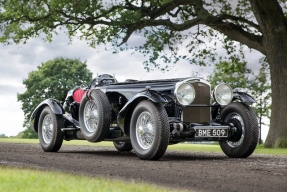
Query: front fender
[127,110]
[243,97]
[55,106]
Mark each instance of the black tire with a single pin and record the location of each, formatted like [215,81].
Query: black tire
[244,143]
[157,122]
[49,130]
[123,146]
[95,124]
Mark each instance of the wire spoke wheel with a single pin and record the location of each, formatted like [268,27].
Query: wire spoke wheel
[95,116]
[47,129]
[145,130]
[91,116]
[149,130]
[50,134]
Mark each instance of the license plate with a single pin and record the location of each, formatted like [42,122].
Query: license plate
[214,132]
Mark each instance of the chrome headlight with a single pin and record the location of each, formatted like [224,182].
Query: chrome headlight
[223,94]
[185,93]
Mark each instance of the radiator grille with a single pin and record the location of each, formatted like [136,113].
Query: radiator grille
[198,114]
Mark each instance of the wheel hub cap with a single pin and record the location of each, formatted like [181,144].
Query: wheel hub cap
[239,123]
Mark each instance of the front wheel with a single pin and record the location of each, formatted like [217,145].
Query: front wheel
[245,140]
[50,135]
[149,130]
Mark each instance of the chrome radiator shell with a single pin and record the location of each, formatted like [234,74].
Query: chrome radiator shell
[199,111]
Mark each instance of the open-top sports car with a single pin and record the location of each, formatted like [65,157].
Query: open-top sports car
[147,116]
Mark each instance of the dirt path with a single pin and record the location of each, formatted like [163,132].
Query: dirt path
[184,170]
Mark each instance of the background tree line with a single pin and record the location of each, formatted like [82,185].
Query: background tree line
[52,79]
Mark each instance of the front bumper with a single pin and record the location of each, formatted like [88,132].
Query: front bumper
[202,132]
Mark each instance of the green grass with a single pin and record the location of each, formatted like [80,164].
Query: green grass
[181,146]
[17,140]
[260,149]
[22,180]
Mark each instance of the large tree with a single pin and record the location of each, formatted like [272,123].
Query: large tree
[162,26]
[52,79]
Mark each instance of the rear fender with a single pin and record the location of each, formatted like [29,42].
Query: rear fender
[125,113]
[55,106]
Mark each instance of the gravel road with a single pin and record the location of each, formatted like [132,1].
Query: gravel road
[196,171]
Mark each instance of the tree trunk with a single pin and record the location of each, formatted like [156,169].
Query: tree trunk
[277,58]
[273,26]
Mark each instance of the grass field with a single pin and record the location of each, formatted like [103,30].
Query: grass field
[27,180]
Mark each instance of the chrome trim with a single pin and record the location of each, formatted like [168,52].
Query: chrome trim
[176,92]
[190,81]
[213,94]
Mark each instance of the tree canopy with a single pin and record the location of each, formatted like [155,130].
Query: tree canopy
[235,73]
[161,27]
[52,79]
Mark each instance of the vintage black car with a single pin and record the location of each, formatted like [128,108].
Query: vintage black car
[147,116]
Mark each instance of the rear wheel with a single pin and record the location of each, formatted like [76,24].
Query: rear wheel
[95,116]
[50,134]
[149,130]
[245,140]
[123,146]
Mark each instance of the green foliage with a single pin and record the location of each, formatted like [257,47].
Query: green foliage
[161,26]
[52,79]
[260,88]
[234,73]
[3,136]
[29,133]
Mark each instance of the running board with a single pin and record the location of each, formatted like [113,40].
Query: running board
[69,129]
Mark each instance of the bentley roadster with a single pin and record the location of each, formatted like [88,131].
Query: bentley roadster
[147,116]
